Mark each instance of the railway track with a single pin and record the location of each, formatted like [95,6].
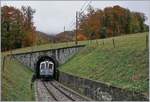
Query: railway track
[54,91]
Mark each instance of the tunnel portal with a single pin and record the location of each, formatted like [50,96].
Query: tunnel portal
[46,68]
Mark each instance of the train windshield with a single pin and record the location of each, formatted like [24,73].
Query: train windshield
[46,68]
[50,66]
[42,65]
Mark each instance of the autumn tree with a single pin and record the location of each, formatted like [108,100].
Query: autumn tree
[115,20]
[30,37]
[11,26]
[17,27]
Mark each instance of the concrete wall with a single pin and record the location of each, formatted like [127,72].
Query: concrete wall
[61,55]
[99,91]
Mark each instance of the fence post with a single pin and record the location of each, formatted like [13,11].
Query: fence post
[113,42]
[103,42]
[146,41]
[96,41]
[3,63]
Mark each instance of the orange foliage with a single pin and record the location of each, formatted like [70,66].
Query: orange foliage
[81,37]
[117,20]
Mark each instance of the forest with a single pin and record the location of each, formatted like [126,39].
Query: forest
[112,21]
[18,30]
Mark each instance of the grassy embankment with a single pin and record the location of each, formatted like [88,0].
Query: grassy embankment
[16,80]
[43,47]
[124,66]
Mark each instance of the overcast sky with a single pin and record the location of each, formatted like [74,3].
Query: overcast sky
[52,16]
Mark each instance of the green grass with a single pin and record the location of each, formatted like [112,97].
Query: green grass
[50,46]
[43,47]
[124,66]
[16,80]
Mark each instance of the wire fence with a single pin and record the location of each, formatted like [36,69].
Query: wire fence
[114,41]
[140,40]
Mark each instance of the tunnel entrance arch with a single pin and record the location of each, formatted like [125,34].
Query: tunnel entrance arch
[47,58]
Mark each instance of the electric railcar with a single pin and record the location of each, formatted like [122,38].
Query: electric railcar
[46,69]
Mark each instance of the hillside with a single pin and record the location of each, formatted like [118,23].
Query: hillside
[43,38]
[16,80]
[124,66]
[64,36]
[45,41]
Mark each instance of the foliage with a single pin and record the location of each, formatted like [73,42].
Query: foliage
[103,33]
[117,20]
[17,27]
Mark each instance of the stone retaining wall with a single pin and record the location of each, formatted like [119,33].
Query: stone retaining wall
[99,91]
[61,55]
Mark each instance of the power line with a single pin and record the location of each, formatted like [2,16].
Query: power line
[81,11]
[72,23]
[83,7]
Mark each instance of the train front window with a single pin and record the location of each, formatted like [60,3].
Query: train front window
[50,66]
[42,66]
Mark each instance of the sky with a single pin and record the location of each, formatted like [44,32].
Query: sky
[52,16]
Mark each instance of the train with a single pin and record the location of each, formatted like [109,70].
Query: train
[47,69]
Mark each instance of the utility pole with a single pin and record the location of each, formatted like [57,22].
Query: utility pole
[76,42]
[64,32]
[64,29]
[3,63]
[65,36]
[146,41]
[31,51]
